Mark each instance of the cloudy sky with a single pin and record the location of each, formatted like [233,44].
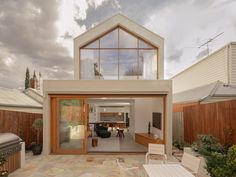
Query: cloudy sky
[39,33]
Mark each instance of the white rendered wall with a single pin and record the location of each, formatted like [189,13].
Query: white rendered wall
[142,87]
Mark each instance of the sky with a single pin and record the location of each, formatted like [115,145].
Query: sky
[39,33]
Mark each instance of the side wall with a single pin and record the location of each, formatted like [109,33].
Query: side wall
[210,69]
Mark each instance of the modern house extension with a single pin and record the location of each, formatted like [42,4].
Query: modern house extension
[118,84]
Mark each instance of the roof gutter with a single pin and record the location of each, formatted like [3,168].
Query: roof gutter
[21,106]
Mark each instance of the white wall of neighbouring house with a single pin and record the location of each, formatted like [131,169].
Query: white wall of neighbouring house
[218,66]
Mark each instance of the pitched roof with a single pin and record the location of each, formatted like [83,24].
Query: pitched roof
[123,21]
[208,93]
[16,98]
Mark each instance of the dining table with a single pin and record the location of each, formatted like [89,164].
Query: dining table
[166,170]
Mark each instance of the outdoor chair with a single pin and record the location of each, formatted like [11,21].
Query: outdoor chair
[127,171]
[191,163]
[155,150]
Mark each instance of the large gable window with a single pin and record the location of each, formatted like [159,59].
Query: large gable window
[118,55]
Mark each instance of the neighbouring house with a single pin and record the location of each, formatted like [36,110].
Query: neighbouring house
[18,110]
[220,65]
[118,89]
[204,97]
[22,101]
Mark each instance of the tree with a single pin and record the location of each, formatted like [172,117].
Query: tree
[27,78]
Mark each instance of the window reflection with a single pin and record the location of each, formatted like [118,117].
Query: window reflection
[71,124]
[110,40]
[89,64]
[93,45]
[127,40]
[128,64]
[147,64]
[109,64]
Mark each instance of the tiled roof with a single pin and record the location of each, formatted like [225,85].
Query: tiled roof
[215,91]
[16,98]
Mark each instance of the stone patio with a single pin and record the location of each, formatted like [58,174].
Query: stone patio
[91,165]
[77,165]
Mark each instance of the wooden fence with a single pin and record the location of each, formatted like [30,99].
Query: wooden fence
[178,127]
[19,123]
[218,119]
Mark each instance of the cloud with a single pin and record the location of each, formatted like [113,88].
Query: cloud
[140,11]
[28,34]
[176,55]
[203,53]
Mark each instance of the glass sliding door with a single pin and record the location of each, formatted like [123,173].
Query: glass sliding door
[70,126]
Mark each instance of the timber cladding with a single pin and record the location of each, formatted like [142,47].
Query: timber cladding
[217,119]
[19,123]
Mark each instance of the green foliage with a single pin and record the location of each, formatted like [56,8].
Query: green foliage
[27,78]
[38,124]
[207,144]
[178,145]
[219,163]
[2,160]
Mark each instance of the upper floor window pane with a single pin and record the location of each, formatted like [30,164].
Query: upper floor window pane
[110,40]
[89,65]
[92,45]
[128,64]
[148,64]
[109,64]
[127,40]
[142,44]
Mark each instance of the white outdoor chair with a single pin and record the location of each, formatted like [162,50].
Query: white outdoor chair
[155,149]
[127,171]
[191,162]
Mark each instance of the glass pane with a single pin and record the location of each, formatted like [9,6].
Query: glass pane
[142,44]
[128,68]
[110,40]
[93,45]
[148,64]
[89,66]
[127,40]
[109,64]
[71,124]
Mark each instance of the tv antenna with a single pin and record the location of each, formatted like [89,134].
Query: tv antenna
[209,40]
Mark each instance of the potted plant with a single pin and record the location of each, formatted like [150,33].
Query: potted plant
[3,173]
[38,126]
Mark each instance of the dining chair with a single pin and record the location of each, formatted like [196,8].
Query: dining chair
[127,171]
[155,150]
[191,162]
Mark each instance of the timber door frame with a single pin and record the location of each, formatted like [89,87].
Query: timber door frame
[54,125]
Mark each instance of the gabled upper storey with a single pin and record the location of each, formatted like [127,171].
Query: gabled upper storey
[118,49]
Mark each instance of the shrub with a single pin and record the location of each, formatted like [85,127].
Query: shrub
[207,144]
[38,126]
[219,162]
[2,160]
